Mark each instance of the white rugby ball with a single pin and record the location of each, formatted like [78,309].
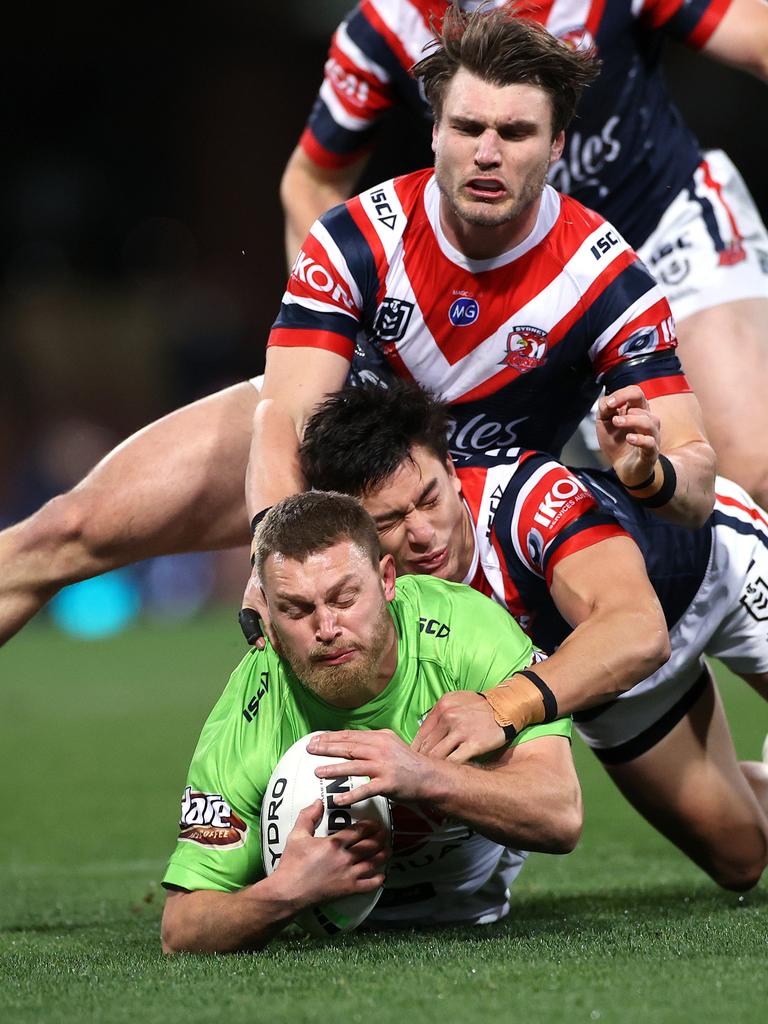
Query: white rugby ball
[294,786]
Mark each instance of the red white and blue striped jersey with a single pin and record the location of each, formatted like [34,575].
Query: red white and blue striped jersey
[519,345]
[628,152]
[532,512]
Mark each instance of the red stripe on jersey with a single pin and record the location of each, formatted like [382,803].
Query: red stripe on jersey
[579,541]
[595,16]
[715,185]
[295,337]
[323,157]
[314,277]
[658,12]
[752,511]
[512,599]
[658,387]
[708,23]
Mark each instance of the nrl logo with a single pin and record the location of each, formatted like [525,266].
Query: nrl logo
[526,348]
[755,599]
[392,319]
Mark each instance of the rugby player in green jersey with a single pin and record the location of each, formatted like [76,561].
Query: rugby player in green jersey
[352,649]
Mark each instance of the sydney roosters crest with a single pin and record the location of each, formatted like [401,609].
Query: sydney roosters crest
[526,348]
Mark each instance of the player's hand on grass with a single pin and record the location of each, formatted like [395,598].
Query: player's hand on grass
[314,869]
[394,768]
[629,434]
[459,727]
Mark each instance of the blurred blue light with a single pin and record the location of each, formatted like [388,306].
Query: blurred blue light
[99,607]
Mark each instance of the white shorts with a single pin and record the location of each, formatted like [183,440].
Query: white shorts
[258,382]
[727,619]
[711,245]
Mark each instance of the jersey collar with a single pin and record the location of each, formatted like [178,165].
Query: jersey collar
[545,221]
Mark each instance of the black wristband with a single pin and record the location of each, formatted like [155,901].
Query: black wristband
[640,487]
[668,486]
[510,732]
[550,702]
[258,517]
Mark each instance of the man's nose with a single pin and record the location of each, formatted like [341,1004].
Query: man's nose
[420,531]
[327,628]
[488,152]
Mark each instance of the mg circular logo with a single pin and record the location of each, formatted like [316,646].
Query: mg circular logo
[463,311]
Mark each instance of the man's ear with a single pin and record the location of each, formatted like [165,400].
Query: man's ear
[387,574]
[435,131]
[450,469]
[558,144]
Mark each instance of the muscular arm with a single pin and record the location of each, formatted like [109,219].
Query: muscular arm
[633,431]
[296,381]
[528,798]
[741,38]
[619,638]
[307,190]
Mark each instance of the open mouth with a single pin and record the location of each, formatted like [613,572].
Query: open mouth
[485,188]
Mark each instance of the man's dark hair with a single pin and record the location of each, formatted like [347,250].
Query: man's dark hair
[303,524]
[503,49]
[357,438]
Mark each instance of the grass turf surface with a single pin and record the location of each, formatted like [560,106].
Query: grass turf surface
[94,743]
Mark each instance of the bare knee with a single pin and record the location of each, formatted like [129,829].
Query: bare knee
[742,869]
[63,536]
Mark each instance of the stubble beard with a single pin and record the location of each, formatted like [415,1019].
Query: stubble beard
[338,684]
[491,215]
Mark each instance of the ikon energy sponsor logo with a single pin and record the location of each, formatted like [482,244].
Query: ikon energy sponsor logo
[208,820]
[463,311]
[551,504]
[526,348]
[560,497]
[308,271]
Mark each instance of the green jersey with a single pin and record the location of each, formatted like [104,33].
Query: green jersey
[449,638]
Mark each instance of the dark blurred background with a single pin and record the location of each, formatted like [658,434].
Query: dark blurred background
[141,252]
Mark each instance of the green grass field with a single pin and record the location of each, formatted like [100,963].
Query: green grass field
[94,743]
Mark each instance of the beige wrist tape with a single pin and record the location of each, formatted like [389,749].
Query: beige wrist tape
[516,702]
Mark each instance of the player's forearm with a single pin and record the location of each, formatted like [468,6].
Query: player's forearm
[218,922]
[306,192]
[535,808]
[694,466]
[273,469]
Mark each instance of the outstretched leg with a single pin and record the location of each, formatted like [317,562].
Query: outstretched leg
[177,485]
[691,787]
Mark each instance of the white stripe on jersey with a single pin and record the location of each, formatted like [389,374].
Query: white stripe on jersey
[385,213]
[338,112]
[407,23]
[566,15]
[315,304]
[637,6]
[350,49]
[716,200]
[497,479]
[651,297]
[336,257]
[728,489]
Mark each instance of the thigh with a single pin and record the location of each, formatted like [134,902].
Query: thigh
[176,485]
[724,351]
[690,786]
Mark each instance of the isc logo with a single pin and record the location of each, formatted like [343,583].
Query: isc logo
[560,492]
[463,311]
[604,244]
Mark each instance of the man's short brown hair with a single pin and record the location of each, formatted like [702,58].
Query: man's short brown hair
[303,524]
[502,49]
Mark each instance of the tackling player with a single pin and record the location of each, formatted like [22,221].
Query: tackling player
[479,281]
[574,559]
[630,157]
[354,650]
